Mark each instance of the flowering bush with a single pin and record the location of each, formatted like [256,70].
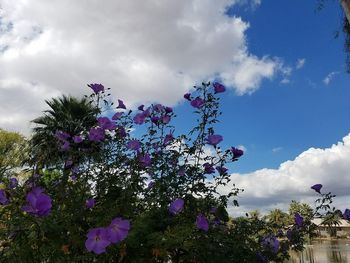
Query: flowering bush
[113,196]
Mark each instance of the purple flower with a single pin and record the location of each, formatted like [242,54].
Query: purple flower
[168,138]
[97,240]
[118,229]
[141,107]
[73,178]
[214,139]
[145,160]
[271,243]
[221,169]
[168,109]
[121,105]
[68,163]
[62,136]
[346,214]
[117,116]
[65,146]
[202,222]
[139,118]
[13,182]
[208,168]
[218,88]
[317,188]
[96,134]
[197,103]
[133,145]
[289,234]
[187,96]
[158,107]
[106,123]
[176,206]
[90,203]
[77,139]
[155,119]
[236,153]
[96,87]
[299,220]
[3,198]
[165,119]
[38,203]
[120,132]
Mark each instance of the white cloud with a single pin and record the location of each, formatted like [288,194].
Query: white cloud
[144,50]
[277,149]
[329,77]
[300,63]
[270,188]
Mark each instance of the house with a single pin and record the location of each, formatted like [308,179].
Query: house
[342,229]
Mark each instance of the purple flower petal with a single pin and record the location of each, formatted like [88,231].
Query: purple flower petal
[236,153]
[346,214]
[214,139]
[96,87]
[271,243]
[13,182]
[90,203]
[106,123]
[117,116]
[3,198]
[317,188]
[176,206]
[96,134]
[197,103]
[134,145]
[118,230]
[98,240]
[121,105]
[202,223]
[187,96]
[299,220]
[218,88]
[77,139]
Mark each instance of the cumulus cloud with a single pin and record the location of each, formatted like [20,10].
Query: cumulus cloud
[329,77]
[145,51]
[300,63]
[266,189]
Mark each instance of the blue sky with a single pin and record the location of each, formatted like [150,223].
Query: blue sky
[279,121]
[287,101]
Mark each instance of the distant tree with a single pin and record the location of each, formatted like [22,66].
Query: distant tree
[278,218]
[255,214]
[332,220]
[13,151]
[305,210]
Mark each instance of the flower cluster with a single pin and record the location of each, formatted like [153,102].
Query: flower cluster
[98,239]
[39,203]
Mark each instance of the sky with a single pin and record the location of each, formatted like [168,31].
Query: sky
[287,100]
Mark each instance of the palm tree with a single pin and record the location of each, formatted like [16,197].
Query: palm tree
[332,220]
[278,217]
[66,113]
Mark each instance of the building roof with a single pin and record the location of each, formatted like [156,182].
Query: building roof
[343,222]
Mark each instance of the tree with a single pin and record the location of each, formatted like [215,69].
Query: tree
[278,217]
[13,151]
[67,114]
[302,209]
[332,220]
